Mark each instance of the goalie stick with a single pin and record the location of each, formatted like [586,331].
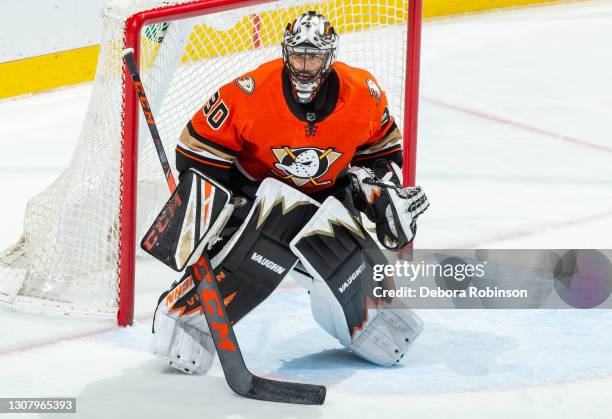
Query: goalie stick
[237,375]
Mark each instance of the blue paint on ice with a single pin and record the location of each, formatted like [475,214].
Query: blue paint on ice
[459,350]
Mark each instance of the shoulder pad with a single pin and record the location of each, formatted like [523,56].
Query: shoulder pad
[252,80]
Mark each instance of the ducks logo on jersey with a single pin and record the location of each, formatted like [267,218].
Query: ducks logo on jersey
[374,90]
[304,165]
[246,84]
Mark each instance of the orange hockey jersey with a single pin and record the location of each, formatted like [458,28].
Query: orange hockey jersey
[254,123]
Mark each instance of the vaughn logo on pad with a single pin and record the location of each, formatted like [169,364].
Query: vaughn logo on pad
[351,278]
[263,261]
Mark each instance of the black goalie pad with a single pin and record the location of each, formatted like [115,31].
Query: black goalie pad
[187,221]
[257,258]
[337,250]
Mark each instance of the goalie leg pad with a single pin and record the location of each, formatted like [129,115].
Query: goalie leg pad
[248,268]
[339,255]
[389,336]
[257,257]
[180,333]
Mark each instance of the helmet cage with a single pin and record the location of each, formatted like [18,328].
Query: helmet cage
[307,64]
[306,39]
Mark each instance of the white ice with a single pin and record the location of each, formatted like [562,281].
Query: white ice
[514,152]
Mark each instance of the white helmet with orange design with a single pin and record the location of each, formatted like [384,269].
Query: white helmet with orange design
[309,49]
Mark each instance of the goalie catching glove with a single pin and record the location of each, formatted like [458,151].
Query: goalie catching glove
[378,193]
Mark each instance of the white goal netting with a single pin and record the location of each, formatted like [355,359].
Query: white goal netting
[68,257]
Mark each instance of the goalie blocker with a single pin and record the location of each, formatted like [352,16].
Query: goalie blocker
[194,216]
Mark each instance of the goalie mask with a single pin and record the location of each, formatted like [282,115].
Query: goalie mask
[309,49]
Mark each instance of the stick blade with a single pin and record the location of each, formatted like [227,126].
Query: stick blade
[281,391]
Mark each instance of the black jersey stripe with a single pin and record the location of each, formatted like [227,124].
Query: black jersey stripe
[394,154]
[383,138]
[210,143]
[202,159]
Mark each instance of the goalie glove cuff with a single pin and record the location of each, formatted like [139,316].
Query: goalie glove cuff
[378,193]
[363,190]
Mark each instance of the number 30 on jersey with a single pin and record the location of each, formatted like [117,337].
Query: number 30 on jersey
[216,111]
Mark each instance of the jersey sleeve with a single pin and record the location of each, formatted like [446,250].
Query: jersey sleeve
[212,139]
[385,140]
[217,124]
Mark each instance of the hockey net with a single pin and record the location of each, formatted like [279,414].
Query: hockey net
[78,248]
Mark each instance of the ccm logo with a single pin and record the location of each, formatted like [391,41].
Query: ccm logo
[213,305]
[143,101]
[162,223]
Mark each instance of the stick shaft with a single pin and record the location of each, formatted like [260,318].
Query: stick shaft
[130,62]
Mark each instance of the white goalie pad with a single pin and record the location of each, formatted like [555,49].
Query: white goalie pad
[333,249]
[180,332]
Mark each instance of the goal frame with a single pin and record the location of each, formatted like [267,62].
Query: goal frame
[129,148]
